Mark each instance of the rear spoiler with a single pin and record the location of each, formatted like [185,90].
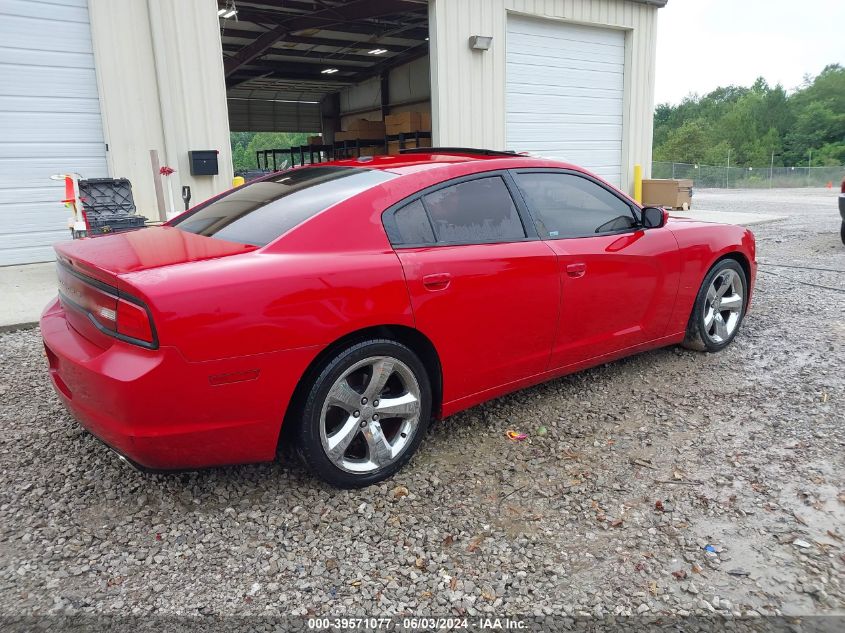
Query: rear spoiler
[458,150]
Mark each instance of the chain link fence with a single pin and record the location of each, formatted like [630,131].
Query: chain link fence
[724,177]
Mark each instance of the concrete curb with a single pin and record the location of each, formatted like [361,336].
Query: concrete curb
[728,217]
[17,327]
[779,218]
[26,290]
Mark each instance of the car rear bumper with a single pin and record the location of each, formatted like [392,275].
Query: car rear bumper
[163,412]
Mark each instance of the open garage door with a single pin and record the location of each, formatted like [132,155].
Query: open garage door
[49,121]
[564,93]
[317,68]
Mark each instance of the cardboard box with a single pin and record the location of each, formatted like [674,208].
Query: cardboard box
[364,128]
[393,146]
[667,193]
[406,122]
[364,135]
[357,134]
[402,122]
[370,151]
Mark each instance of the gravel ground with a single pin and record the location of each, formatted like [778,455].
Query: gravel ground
[670,483]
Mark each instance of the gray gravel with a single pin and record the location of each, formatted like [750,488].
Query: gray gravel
[673,483]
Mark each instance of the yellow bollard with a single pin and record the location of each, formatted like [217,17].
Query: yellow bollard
[237,181]
[638,183]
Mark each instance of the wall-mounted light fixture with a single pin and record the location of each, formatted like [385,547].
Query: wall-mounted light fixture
[480,42]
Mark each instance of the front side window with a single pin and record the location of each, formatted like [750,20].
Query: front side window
[565,205]
[259,212]
[475,211]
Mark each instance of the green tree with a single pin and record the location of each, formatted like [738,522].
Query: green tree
[246,144]
[685,144]
[755,122]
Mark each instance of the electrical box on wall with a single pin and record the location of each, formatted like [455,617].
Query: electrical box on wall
[203,162]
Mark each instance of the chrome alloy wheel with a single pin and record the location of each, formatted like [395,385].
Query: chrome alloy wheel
[370,414]
[723,306]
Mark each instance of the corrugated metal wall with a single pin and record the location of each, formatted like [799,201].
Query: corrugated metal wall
[468,87]
[409,87]
[262,110]
[161,83]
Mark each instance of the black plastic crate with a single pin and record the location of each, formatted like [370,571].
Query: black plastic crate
[109,206]
[103,224]
[109,197]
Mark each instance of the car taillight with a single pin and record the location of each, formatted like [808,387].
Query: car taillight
[119,316]
[101,306]
[843,185]
[134,321]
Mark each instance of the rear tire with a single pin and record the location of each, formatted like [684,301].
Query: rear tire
[719,308]
[365,414]
[842,232]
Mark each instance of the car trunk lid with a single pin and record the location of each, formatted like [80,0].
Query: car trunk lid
[89,274]
[106,257]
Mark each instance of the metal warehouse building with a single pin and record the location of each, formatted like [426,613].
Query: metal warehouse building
[93,86]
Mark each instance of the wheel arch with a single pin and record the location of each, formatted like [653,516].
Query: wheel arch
[412,338]
[742,260]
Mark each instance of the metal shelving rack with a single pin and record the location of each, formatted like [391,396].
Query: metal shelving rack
[334,151]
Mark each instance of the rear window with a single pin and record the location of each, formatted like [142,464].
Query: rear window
[475,211]
[260,212]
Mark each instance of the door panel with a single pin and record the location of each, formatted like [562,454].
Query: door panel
[618,281]
[491,310]
[617,291]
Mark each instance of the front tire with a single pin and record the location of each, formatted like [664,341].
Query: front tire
[719,308]
[365,414]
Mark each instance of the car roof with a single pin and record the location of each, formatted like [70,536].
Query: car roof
[418,161]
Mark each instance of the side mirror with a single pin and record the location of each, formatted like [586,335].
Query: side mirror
[654,217]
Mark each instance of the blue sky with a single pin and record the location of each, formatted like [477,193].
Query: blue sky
[702,44]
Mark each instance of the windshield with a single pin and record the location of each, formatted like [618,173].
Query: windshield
[259,212]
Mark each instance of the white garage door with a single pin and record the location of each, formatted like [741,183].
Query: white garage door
[49,121]
[564,93]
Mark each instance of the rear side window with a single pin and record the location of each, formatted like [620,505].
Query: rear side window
[564,205]
[413,225]
[260,212]
[479,210]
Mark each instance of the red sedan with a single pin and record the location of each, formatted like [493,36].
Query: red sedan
[354,301]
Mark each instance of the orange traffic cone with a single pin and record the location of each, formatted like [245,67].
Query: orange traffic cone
[70,193]
[829,185]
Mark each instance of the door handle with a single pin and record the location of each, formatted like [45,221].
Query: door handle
[576,270]
[437,281]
